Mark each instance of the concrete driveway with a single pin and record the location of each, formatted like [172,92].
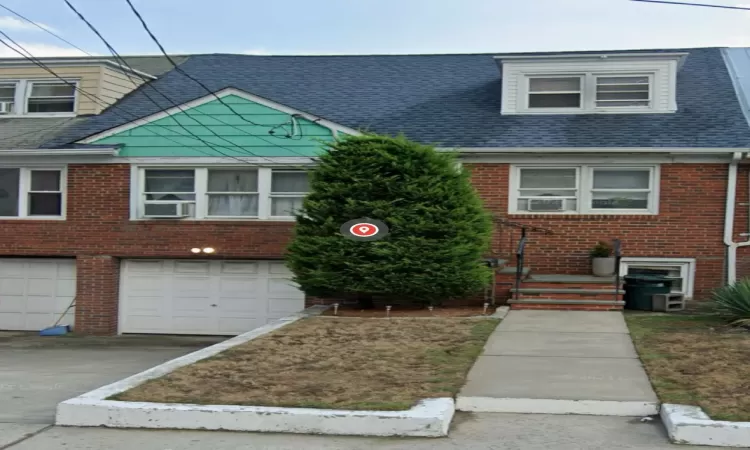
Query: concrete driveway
[36,373]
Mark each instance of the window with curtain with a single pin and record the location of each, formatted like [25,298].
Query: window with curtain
[288,190]
[232,193]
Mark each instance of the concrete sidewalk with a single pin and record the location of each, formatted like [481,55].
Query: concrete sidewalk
[560,362]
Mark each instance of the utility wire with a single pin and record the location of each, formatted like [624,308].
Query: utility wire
[93,98]
[122,62]
[46,30]
[693,4]
[180,70]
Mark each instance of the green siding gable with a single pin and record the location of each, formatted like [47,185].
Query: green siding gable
[165,136]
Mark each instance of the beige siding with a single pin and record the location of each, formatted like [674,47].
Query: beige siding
[106,85]
[115,84]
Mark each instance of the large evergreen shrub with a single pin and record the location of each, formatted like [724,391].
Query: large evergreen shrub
[439,230]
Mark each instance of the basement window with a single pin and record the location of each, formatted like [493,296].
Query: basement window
[681,271]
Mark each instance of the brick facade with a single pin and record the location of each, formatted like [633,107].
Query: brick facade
[690,224]
[98,232]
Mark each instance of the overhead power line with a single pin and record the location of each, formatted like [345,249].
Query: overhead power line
[93,98]
[45,29]
[664,2]
[121,62]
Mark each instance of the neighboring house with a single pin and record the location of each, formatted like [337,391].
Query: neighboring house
[646,146]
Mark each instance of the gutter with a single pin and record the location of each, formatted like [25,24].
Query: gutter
[107,151]
[598,150]
[729,220]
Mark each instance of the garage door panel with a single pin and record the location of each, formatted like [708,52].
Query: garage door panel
[201,267]
[139,284]
[12,286]
[41,286]
[65,288]
[34,292]
[279,268]
[145,266]
[13,304]
[229,267]
[192,287]
[239,287]
[242,292]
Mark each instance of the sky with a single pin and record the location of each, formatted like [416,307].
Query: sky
[373,26]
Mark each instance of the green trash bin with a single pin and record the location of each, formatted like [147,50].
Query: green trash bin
[639,290]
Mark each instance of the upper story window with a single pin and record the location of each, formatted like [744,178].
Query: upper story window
[34,98]
[220,193]
[32,193]
[588,92]
[612,83]
[584,190]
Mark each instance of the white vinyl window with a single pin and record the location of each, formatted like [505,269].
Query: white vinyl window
[680,271]
[623,91]
[288,190]
[589,92]
[32,193]
[557,92]
[584,190]
[50,97]
[38,98]
[220,193]
[8,97]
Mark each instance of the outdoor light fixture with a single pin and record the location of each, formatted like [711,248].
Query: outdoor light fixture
[195,250]
[208,250]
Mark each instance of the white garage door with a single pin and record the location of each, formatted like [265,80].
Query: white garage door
[34,292]
[204,297]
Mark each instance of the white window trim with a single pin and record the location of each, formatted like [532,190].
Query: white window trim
[584,185]
[138,181]
[686,265]
[588,93]
[24,185]
[23,92]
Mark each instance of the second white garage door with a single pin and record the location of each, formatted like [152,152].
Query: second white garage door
[204,297]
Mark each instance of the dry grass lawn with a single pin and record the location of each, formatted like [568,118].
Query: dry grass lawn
[363,364]
[696,360]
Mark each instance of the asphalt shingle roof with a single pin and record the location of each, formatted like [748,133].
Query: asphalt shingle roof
[27,132]
[447,100]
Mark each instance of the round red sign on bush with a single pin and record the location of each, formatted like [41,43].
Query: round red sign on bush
[364,229]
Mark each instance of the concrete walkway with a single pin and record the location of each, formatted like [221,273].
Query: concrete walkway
[560,362]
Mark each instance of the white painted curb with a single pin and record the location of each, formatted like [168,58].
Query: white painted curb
[690,425]
[553,406]
[429,418]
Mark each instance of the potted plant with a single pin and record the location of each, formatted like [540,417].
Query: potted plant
[602,261]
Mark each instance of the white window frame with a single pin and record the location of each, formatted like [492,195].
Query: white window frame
[584,187]
[24,188]
[26,87]
[686,265]
[16,105]
[137,199]
[581,92]
[588,93]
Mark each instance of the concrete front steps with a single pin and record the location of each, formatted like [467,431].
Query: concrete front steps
[567,292]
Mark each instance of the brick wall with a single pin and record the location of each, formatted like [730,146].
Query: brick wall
[98,223]
[98,232]
[690,223]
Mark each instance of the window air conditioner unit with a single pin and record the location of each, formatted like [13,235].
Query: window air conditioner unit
[552,204]
[5,107]
[177,210]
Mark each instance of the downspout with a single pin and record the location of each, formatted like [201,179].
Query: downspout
[729,219]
